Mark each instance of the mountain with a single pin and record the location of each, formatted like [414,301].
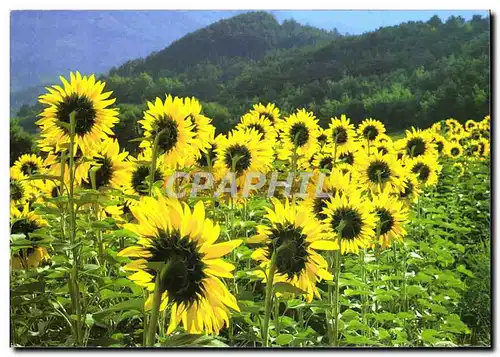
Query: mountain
[46,43]
[410,74]
[414,73]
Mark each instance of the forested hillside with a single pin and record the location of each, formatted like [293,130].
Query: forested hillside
[411,74]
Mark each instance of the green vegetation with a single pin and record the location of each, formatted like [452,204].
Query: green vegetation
[411,74]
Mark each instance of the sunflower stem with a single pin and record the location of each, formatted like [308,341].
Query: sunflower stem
[155,311]
[269,295]
[75,288]
[338,262]
[154,154]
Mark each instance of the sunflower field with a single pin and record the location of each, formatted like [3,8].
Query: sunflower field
[280,233]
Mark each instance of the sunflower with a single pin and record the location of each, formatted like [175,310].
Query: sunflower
[383,147]
[322,137]
[454,150]
[343,167]
[348,157]
[208,156]
[27,222]
[183,240]
[417,143]
[440,143]
[437,128]
[392,215]
[470,125]
[452,125]
[370,129]
[137,182]
[298,133]
[261,124]
[377,171]
[349,219]
[202,128]
[20,189]
[94,120]
[110,166]
[410,188]
[323,161]
[29,164]
[459,167]
[269,112]
[336,182]
[340,134]
[171,120]
[426,168]
[82,165]
[242,152]
[295,237]
[484,147]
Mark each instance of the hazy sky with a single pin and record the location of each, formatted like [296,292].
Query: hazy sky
[359,21]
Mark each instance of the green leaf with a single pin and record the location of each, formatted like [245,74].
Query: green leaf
[463,270]
[283,287]
[136,304]
[430,336]
[284,339]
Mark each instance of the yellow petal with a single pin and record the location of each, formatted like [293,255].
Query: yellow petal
[220,249]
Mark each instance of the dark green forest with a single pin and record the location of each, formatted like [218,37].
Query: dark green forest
[414,73]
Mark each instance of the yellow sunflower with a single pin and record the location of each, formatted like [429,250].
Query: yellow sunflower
[202,128]
[94,119]
[208,156]
[340,134]
[417,143]
[426,168]
[410,190]
[110,166]
[392,216]
[269,111]
[185,241]
[323,160]
[27,222]
[322,137]
[30,164]
[454,150]
[171,120]
[138,175]
[298,133]
[440,143]
[82,165]
[20,189]
[295,237]
[370,129]
[343,167]
[470,125]
[262,125]
[348,157]
[378,172]
[452,125]
[317,197]
[242,152]
[349,219]
[484,147]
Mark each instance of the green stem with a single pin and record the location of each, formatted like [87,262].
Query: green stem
[338,262]
[277,315]
[268,299]
[153,162]
[161,275]
[329,312]
[151,336]
[75,296]
[363,279]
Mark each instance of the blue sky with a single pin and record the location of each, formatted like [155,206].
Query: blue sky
[46,43]
[359,21]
